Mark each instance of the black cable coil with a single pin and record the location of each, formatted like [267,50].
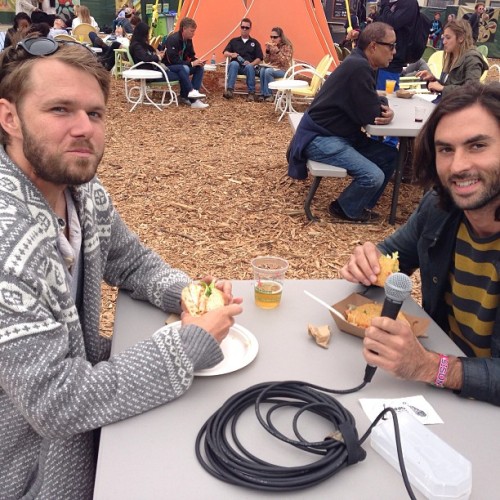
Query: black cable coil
[236,465]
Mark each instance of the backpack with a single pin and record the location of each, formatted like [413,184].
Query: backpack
[418,38]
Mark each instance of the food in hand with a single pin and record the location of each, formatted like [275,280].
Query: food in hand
[199,298]
[388,264]
[363,314]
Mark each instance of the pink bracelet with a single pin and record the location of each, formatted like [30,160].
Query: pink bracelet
[442,371]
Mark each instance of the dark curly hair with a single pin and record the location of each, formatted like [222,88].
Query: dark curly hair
[424,157]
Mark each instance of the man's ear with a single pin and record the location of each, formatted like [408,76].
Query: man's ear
[9,119]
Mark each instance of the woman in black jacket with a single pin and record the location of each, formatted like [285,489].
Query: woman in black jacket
[141,51]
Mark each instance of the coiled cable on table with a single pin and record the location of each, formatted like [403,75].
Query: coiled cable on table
[236,465]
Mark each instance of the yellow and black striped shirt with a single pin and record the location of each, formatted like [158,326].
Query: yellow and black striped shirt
[473,296]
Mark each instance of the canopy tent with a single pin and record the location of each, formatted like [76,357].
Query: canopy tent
[219,20]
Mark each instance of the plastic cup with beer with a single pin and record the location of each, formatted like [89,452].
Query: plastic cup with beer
[389,86]
[269,275]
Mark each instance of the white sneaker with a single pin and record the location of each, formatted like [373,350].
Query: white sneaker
[199,105]
[194,94]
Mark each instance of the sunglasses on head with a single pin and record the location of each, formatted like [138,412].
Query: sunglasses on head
[245,27]
[43,46]
[274,36]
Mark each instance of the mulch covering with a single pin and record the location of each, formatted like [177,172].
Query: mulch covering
[208,190]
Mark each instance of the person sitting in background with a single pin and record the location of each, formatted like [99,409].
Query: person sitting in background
[332,129]
[62,236]
[278,54]
[245,53]
[125,21]
[180,58]
[38,29]
[58,28]
[436,31]
[20,25]
[453,237]
[84,17]
[141,51]
[462,61]
[107,55]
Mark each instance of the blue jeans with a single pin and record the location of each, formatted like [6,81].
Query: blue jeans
[236,69]
[267,75]
[182,72]
[368,162]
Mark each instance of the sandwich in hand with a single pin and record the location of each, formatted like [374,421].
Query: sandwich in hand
[388,264]
[199,298]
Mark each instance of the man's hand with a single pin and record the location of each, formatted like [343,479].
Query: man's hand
[217,322]
[385,117]
[197,62]
[391,345]
[363,265]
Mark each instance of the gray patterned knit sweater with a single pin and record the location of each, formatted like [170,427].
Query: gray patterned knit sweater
[57,381]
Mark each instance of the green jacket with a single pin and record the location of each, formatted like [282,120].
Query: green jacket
[469,68]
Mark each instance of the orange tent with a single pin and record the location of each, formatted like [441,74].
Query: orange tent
[219,20]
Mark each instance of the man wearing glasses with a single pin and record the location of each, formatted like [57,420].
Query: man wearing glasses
[60,237]
[245,53]
[332,129]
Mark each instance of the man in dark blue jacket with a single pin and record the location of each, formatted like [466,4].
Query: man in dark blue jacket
[331,130]
[180,58]
[454,238]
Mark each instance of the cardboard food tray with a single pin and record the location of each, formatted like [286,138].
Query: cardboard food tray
[418,324]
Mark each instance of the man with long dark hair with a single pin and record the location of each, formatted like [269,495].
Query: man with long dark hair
[454,238]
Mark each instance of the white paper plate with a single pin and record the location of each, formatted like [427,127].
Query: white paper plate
[240,348]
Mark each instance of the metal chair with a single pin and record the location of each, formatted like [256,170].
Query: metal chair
[239,78]
[81,32]
[317,75]
[123,61]
[483,49]
[168,96]
[67,38]
[435,63]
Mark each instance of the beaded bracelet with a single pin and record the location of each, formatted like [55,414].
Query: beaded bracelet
[442,371]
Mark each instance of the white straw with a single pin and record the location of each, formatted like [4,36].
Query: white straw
[331,309]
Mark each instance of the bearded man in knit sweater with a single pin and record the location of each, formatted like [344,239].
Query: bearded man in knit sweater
[60,237]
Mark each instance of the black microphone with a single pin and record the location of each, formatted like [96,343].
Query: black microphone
[397,289]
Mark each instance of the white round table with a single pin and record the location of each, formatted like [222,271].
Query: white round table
[286,86]
[142,75]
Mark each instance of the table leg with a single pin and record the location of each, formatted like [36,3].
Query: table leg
[287,104]
[398,175]
[140,99]
[147,98]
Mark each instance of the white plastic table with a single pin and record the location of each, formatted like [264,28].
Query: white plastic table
[142,75]
[152,456]
[403,126]
[286,86]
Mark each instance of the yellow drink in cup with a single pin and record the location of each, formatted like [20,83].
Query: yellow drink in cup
[389,86]
[268,294]
[269,274]
[80,38]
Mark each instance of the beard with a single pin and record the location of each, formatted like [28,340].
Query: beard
[489,193]
[51,167]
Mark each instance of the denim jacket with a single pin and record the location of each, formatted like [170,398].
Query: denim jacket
[427,241]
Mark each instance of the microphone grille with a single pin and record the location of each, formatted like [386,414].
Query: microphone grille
[398,287]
